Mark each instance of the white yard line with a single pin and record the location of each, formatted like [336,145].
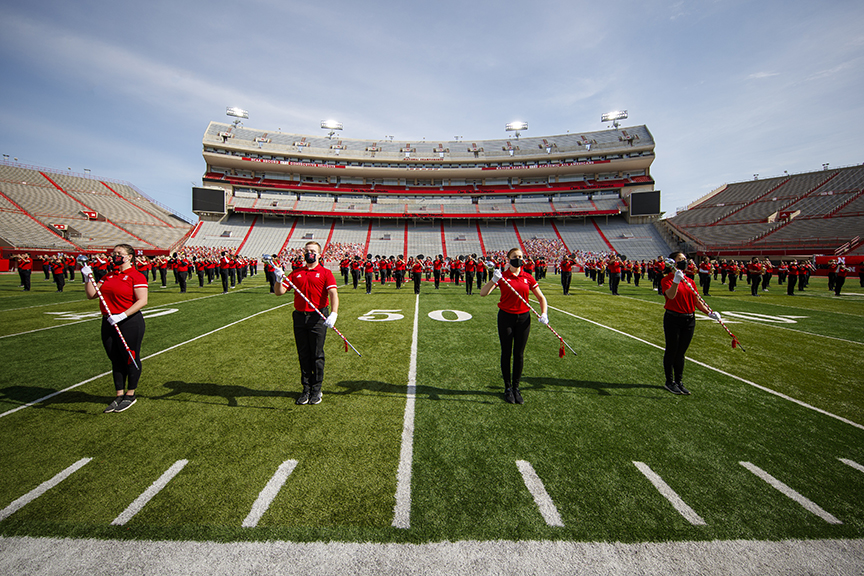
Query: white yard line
[41,489]
[808,504]
[42,399]
[541,496]
[763,388]
[268,494]
[148,494]
[402,509]
[852,463]
[667,492]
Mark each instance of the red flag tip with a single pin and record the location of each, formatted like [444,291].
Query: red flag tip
[561,351]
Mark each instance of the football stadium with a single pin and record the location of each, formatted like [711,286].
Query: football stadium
[414,459]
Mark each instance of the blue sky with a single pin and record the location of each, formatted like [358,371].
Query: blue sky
[729,88]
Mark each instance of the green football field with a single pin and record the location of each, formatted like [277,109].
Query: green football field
[769,446]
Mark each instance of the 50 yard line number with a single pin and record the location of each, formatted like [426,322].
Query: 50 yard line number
[391,315]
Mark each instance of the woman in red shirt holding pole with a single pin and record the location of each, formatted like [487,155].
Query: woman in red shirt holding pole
[679,322]
[123,294]
[514,319]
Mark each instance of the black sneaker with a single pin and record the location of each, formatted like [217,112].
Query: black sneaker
[517,396]
[315,398]
[304,398]
[125,403]
[112,407]
[672,387]
[682,389]
[508,396]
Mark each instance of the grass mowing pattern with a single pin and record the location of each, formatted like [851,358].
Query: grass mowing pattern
[225,402]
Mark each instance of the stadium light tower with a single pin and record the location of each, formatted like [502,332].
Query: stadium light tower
[237,113]
[331,125]
[516,127]
[614,117]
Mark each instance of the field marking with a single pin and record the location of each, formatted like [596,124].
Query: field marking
[42,399]
[667,492]
[719,371]
[808,504]
[41,489]
[268,494]
[148,494]
[852,463]
[100,317]
[541,496]
[754,321]
[402,509]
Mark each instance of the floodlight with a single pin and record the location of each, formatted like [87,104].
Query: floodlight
[331,125]
[516,127]
[614,117]
[237,112]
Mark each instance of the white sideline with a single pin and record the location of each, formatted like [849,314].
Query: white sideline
[808,504]
[55,556]
[686,511]
[41,489]
[541,496]
[852,463]
[37,401]
[148,494]
[268,494]
[763,388]
[402,509]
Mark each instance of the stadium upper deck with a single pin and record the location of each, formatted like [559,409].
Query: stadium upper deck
[247,162]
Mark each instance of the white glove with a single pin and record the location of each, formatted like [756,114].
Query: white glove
[715,316]
[113,319]
[496,276]
[544,318]
[679,276]
[331,320]
[277,271]
[86,271]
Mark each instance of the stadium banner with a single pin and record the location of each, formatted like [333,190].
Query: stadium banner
[853,263]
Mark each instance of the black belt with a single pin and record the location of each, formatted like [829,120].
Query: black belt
[680,315]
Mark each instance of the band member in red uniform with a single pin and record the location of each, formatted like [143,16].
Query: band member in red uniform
[566,273]
[754,275]
[344,266]
[705,275]
[614,268]
[470,266]
[436,269]
[842,271]
[417,273]
[369,273]
[355,271]
[514,319]
[181,266]
[58,267]
[679,322]
[399,271]
[25,269]
[310,330]
[792,278]
[125,293]
[224,265]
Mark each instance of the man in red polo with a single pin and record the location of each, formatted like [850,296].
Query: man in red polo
[318,285]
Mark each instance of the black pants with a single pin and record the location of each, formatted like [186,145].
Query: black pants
[513,331]
[370,278]
[437,274]
[614,280]
[469,282]
[181,277]
[60,280]
[636,277]
[838,284]
[733,280]
[309,335]
[417,277]
[790,285]
[678,329]
[200,278]
[124,372]
[355,277]
[25,278]
[344,272]
[705,282]
[755,282]
[400,276]
[223,272]
[566,278]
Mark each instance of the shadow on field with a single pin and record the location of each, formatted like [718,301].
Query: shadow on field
[602,388]
[25,394]
[230,392]
[424,392]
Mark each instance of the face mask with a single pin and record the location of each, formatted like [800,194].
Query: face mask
[516,262]
[117,260]
[310,257]
[681,265]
